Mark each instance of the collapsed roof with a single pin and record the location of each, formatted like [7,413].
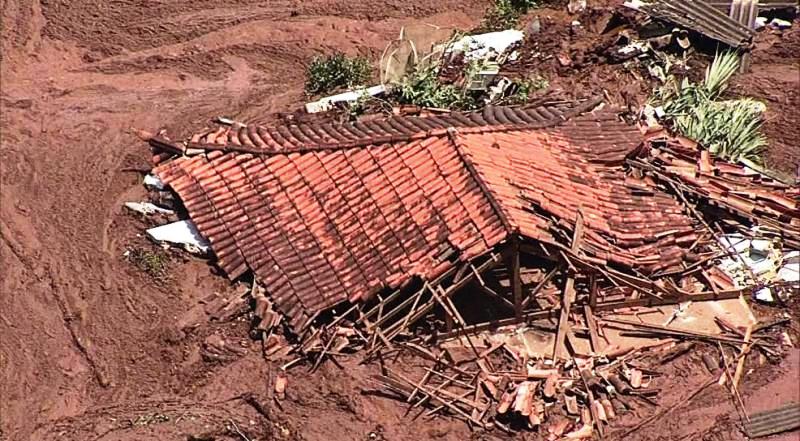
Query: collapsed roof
[325,214]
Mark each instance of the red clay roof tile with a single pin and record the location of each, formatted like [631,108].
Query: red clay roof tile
[323,226]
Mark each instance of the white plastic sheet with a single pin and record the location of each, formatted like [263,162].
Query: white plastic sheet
[183,233]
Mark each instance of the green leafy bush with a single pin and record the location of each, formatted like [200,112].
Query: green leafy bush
[337,70]
[524,88]
[154,264]
[730,129]
[505,14]
[424,88]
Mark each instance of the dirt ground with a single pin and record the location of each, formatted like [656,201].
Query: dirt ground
[91,348]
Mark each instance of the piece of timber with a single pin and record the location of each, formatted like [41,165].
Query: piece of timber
[559,348]
[601,307]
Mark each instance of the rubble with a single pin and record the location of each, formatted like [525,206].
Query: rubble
[327,103]
[699,16]
[491,46]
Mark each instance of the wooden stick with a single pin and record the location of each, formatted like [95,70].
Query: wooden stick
[424,380]
[727,373]
[516,281]
[594,339]
[559,348]
[539,286]
[745,349]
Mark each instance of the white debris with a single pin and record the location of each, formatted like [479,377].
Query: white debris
[576,6]
[765,295]
[325,104]
[153,181]
[484,77]
[790,271]
[147,208]
[764,259]
[760,22]
[634,4]
[485,46]
[183,233]
[780,24]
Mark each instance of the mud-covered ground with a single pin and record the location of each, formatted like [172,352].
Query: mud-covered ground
[92,348]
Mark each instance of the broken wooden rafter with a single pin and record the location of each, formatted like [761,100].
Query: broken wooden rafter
[649,328]
[539,286]
[532,316]
[559,348]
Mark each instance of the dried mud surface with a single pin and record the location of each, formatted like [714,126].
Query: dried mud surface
[91,348]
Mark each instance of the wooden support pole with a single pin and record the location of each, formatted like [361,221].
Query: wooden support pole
[516,282]
[559,349]
[594,338]
[742,357]
[593,291]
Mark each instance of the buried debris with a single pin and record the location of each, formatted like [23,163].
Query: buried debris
[782,419]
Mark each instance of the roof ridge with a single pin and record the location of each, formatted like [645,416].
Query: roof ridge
[464,154]
[436,129]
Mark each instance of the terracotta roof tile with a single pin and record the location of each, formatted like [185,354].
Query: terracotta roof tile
[320,226]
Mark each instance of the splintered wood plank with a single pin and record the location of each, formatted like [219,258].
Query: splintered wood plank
[559,348]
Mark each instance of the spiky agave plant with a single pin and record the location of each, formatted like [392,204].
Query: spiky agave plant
[729,129]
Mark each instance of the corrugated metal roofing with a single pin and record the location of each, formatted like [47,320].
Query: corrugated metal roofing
[319,227]
[700,16]
[725,5]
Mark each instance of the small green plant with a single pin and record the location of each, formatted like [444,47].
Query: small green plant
[526,87]
[424,88]
[505,14]
[337,70]
[730,129]
[154,264]
[148,419]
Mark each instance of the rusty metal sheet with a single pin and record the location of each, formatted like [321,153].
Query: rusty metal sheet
[699,16]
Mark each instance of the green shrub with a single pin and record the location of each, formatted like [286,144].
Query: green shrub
[338,70]
[154,264]
[424,88]
[730,129]
[505,14]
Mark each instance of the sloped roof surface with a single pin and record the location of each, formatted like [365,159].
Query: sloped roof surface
[302,137]
[319,227]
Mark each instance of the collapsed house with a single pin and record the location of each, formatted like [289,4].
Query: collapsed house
[420,229]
